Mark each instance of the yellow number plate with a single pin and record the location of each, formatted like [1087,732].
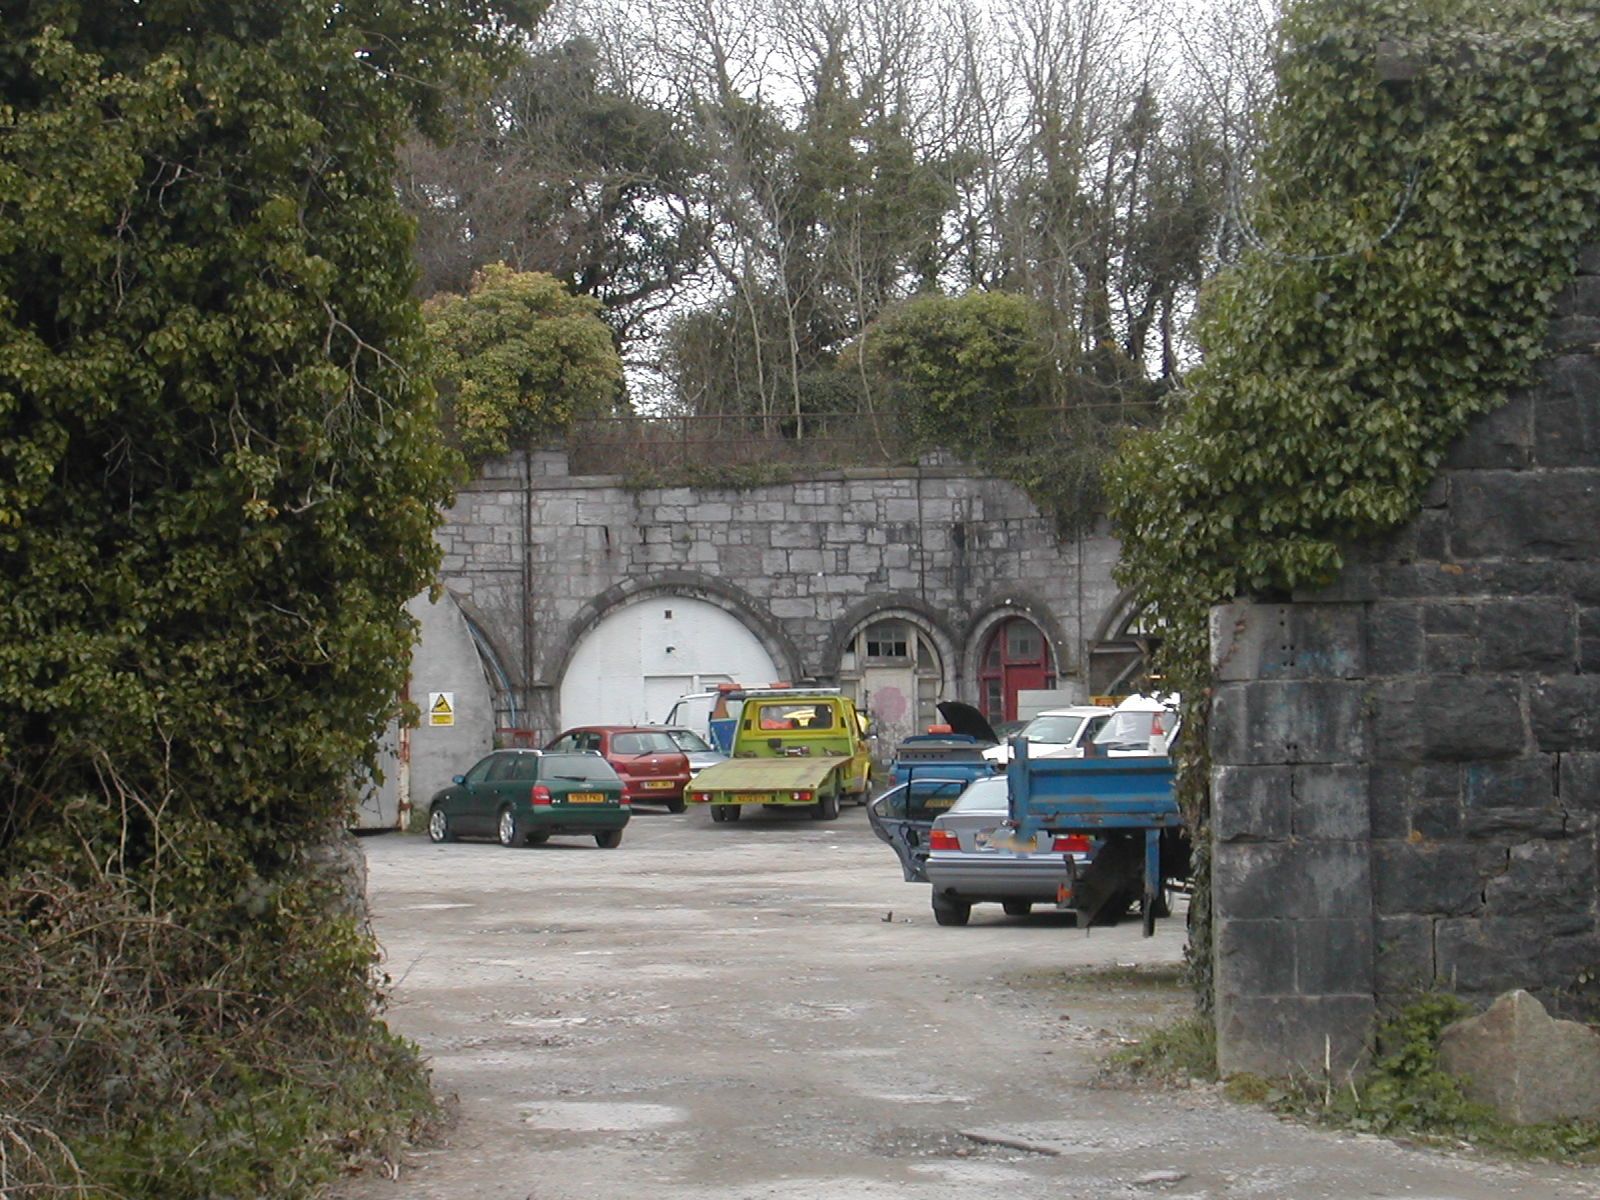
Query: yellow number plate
[751,798]
[586,798]
[658,783]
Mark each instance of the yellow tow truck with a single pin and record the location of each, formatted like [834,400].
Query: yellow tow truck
[791,748]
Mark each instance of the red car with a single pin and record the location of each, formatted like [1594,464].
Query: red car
[653,769]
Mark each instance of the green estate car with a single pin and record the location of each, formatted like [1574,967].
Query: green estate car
[523,796]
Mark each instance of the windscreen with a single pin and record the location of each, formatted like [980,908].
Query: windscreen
[688,741]
[1126,730]
[795,718]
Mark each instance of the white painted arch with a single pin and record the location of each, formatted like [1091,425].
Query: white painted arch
[637,659]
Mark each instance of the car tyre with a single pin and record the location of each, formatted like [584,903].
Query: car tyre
[949,911]
[609,840]
[505,829]
[1017,908]
[676,806]
[828,807]
[537,839]
[439,826]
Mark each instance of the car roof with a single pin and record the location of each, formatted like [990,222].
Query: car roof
[615,729]
[1075,710]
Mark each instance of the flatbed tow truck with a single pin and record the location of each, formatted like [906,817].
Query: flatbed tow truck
[791,748]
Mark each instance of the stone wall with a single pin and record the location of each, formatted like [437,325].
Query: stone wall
[537,558]
[1407,764]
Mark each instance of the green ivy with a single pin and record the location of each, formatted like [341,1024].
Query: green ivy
[220,474]
[1409,239]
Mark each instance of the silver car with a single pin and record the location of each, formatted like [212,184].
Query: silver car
[970,855]
[701,753]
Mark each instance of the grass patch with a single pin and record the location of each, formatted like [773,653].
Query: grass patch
[1156,977]
[1406,1093]
[1175,1055]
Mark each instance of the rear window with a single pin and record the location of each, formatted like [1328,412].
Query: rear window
[984,795]
[1056,730]
[803,718]
[585,767]
[643,743]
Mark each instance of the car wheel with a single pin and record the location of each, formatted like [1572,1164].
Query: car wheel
[439,826]
[609,840]
[828,807]
[676,806]
[948,911]
[506,829]
[536,839]
[1017,908]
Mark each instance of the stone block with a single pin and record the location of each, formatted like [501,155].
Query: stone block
[1426,879]
[1291,880]
[1564,713]
[1394,639]
[1552,881]
[1449,654]
[1250,804]
[1335,957]
[1526,635]
[1330,803]
[1489,956]
[1526,514]
[1290,721]
[1578,782]
[1403,955]
[1567,412]
[1249,641]
[1514,800]
[1580,298]
[796,535]
[1502,438]
[1448,719]
[1298,1036]
[1573,335]
[1529,1067]
[1280,641]
[1589,641]
[1257,958]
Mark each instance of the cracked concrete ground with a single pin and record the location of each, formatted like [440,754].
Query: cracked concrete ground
[764,1010]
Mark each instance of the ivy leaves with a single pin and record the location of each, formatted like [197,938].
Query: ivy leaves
[1409,241]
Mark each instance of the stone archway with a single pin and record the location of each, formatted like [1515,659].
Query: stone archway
[893,656]
[1045,666]
[635,649]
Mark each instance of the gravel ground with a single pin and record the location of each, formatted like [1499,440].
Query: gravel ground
[764,1010]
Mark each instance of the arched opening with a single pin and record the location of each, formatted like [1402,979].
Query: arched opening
[893,667]
[1120,656]
[1015,658]
[639,658]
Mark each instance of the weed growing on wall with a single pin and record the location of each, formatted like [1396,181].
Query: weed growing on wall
[1412,230]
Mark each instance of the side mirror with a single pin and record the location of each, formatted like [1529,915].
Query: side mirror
[458,779]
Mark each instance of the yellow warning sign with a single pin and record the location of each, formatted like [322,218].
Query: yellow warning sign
[441,708]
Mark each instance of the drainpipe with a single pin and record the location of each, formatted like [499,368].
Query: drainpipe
[527,579]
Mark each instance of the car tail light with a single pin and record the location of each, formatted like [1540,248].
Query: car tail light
[1075,843]
[702,797]
[800,796]
[540,794]
[943,839]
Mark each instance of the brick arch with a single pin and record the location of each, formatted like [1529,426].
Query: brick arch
[731,599]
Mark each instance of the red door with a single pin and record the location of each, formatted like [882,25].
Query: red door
[1016,658]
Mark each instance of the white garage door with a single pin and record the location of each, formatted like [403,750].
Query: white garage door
[640,658]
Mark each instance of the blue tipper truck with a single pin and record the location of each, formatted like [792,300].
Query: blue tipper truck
[1127,804]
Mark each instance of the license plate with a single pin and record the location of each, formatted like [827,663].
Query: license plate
[586,798]
[658,783]
[751,798]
